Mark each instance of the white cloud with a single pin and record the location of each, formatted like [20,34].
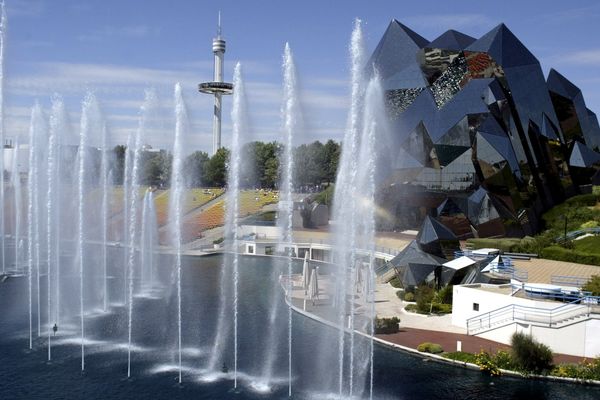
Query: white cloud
[584,57]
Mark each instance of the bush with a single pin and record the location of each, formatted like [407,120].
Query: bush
[486,363]
[409,296]
[529,355]
[424,296]
[439,308]
[445,294]
[396,282]
[461,356]
[593,285]
[585,371]
[219,240]
[583,200]
[386,325]
[560,254]
[411,308]
[504,360]
[590,224]
[427,347]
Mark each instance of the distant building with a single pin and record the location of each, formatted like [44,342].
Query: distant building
[480,139]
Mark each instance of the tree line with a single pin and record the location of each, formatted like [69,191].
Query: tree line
[315,164]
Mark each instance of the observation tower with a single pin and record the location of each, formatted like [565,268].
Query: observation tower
[217,87]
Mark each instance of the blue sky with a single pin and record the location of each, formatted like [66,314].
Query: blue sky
[117,48]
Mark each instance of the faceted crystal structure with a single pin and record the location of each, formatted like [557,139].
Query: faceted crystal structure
[480,139]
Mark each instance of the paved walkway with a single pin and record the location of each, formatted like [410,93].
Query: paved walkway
[411,337]
[540,270]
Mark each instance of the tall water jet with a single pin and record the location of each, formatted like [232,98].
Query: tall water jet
[149,100]
[344,205]
[37,131]
[89,110]
[3,22]
[374,123]
[290,115]
[232,200]
[175,202]
[149,240]
[51,209]
[15,178]
[104,183]
[126,194]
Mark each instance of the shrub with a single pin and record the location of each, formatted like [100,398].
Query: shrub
[445,294]
[561,254]
[529,355]
[461,356]
[411,308]
[583,200]
[409,296]
[590,224]
[593,285]
[396,282]
[585,370]
[504,360]
[219,240]
[440,308]
[427,347]
[400,294]
[486,363]
[386,325]
[424,296]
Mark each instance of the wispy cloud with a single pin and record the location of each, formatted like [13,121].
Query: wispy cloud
[589,57]
[25,8]
[108,32]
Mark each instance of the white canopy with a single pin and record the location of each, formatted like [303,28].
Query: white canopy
[459,263]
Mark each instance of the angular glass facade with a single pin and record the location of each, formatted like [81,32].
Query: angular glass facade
[480,139]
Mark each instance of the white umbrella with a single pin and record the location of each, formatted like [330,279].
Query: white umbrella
[305,273]
[313,287]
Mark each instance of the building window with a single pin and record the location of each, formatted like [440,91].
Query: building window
[475,306]
[250,249]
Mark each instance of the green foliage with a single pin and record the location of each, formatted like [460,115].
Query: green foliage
[194,169]
[562,254]
[504,360]
[219,240]
[461,356]
[589,245]
[412,308]
[427,347]
[445,294]
[326,196]
[424,296]
[586,370]
[386,325]
[487,363]
[440,308]
[529,355]
[215,172]
[409,296]
[396,282]
[400,294]
[593,285]
[590,224]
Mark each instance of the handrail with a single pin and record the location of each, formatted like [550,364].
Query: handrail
[519,312]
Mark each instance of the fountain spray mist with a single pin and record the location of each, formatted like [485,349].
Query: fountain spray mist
[344,207]
[37,131]
[176,200]
[3,23]
[149,100]
[232,201]
[104,182]
[16,184]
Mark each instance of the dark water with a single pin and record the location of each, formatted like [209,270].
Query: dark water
[26,374]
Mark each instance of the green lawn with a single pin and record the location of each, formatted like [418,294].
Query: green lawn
[590,245]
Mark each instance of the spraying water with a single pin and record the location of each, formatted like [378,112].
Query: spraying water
[134,200]
[51,209]
[126,194]
[36,133]
[344,206]
[3,22]
[176,200]
[148,240]
[16,184]
[232,200]
[104,182]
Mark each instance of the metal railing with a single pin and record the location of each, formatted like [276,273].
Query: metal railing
[566,280]
[533,315]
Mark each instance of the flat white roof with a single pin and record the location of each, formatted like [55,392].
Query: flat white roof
[485,251]
[459,263]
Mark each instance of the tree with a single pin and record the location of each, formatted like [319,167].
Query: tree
[216,168]
[119,169]
[194,168]
[593,285]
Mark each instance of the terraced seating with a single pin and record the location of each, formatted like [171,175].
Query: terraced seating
[193,198]
[251,202]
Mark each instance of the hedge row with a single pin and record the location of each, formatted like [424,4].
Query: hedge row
[561,254]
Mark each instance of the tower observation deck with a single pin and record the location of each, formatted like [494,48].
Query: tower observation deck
[217,87]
